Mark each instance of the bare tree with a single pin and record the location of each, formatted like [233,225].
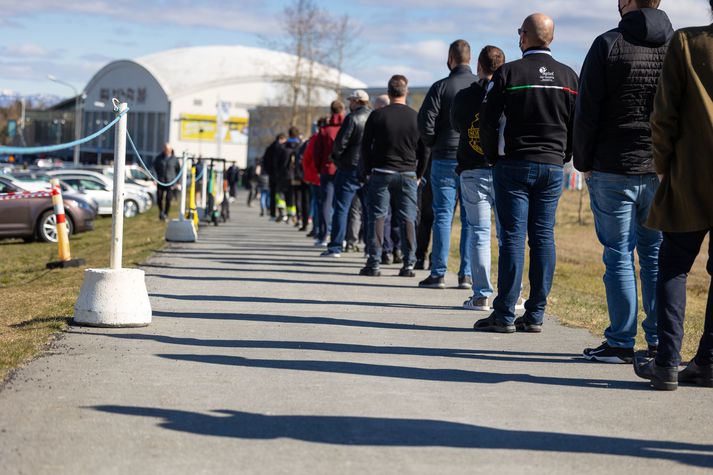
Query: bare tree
[345,36]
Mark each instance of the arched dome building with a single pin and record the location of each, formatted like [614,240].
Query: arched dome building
[173,96]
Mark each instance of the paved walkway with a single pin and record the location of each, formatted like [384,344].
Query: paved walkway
[263,358]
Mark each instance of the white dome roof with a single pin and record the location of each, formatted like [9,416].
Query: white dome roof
[185,70]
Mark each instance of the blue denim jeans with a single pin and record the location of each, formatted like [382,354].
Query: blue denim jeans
[404,188]
[444,185]
[621,204]
[478,198]
[346,184]
[315,211]
[326,193]
[527,195]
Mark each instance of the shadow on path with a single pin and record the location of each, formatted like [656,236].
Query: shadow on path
[269,280]
[406,372]
[360,349]
[375,431]
[310,321]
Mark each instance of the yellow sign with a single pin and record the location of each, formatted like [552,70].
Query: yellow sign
[204,127]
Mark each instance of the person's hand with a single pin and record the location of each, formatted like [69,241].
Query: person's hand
[587,175]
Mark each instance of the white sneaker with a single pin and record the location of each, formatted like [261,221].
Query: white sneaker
[480,304]
[330,254]
[520,304]
[321,244]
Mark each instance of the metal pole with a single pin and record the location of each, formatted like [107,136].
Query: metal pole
[77,127]
[184,181]
[117,208]
[204,185]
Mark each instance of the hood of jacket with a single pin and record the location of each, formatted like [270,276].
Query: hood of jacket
[647,25]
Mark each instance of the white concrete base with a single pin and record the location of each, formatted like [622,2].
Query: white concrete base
[181,231]
[201,213]
[113,298]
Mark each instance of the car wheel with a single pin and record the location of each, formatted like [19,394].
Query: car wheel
[131,208]
[47,227]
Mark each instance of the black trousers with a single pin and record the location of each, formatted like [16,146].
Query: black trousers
[273,197]
[163,198]
[424,220]
[676,257]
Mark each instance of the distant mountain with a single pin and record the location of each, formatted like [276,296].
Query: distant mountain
[32,101]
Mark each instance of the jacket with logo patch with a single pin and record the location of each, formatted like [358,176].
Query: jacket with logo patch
[537,95]
[465,119]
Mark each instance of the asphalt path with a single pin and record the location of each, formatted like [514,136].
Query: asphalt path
[265,358]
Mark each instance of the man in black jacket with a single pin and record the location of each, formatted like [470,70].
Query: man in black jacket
[394,159]
[537,95]
[166,168]
[434,123]
[269,167]
[346,154]
[476,176]
[612,140]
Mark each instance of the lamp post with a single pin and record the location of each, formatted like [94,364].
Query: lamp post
[77,114]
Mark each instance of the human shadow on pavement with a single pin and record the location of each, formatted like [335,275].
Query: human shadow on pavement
[292,301]
[248,270]
[392,432]
[406,372]
[270,280]
[310,321]
[488,355]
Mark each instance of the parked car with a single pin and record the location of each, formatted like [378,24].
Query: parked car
[99,187]
[135,175]
[34,218]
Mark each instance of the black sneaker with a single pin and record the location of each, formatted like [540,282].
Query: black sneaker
[370,272]
[652,351]
[522,325]
[420,264]
[465,282]
[491,325]
[398,257]
[431,282]
[386,259]
[609,354]
[663,379]
[407,272]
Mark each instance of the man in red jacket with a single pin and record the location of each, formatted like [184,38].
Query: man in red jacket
[326,168]
[311,177]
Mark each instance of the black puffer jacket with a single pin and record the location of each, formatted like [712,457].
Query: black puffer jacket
[618,84]
[346,153]
[434,117]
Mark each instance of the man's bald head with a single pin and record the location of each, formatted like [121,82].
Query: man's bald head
[539,30]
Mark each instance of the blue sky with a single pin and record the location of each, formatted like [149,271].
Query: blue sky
[72,39]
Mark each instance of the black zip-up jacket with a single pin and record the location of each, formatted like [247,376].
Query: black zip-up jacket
[619,79]
[434,117]
[346,153]
[537,94]
[269,159]
[166,168]
[392,142]
[465,119]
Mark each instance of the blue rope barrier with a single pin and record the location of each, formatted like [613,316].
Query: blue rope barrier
[62,146]
[143,164]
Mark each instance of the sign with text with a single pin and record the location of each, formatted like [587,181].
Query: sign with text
[204,128]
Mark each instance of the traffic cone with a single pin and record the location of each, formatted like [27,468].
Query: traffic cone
[65,257]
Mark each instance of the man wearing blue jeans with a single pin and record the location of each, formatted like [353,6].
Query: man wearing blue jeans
[434,122]
[612,140]
[537,96]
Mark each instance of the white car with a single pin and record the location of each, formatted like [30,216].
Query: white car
[135,175]
[99,188]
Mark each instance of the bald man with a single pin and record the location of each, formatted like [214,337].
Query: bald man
[537,96]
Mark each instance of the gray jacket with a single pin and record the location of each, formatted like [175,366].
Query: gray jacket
[346,153]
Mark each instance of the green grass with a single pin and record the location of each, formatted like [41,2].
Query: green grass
[577,298]
[36,304]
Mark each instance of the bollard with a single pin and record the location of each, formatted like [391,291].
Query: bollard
[115,297]
[204,192]
[182,230]
[192,214]
[65,256]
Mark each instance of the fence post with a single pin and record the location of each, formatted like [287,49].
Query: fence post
[115,297]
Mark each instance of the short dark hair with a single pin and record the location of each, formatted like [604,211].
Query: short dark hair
[336,107]
[648,3]
[293,132]
[460,51]
[398,86]
[490,59]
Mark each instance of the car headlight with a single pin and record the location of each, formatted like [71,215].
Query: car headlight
[82,205]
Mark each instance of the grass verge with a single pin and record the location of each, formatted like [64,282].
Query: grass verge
[577,298]
[35,304]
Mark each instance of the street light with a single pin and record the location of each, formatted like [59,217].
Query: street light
[77,114]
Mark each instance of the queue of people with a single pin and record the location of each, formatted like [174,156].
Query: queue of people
[638,124]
